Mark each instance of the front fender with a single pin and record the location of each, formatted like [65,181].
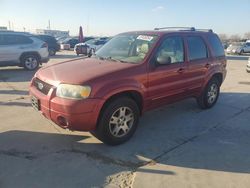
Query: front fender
[109,89]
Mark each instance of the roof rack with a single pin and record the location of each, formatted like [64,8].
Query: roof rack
[183,29]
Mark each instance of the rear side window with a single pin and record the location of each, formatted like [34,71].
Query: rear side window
[197,48]
[216,45]
[15,39]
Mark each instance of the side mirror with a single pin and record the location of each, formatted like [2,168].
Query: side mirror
[163,60]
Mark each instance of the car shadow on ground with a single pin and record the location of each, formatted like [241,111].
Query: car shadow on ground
[15,74]
[179,135]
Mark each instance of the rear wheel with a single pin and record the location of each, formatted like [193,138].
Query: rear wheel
[30,62]
[118,121]
[210,94]
[52,52]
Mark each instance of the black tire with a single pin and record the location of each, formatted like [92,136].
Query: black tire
[248,71]
[52,52]
[91,52]
[241,52]
[209,96]
[106,128]
[30,62]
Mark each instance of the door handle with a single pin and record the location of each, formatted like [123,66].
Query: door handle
[181,70]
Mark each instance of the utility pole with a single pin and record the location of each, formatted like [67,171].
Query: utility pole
[49,25]
[9,26]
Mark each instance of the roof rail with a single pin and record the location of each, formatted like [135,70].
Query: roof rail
[183,29]
[205,30]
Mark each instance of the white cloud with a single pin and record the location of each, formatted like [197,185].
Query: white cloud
[159,8]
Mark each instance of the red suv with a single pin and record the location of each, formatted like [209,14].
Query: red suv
[134,72]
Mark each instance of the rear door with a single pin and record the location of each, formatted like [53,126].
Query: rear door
[165,81]
[198,63]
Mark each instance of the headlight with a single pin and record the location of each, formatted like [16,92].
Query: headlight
[73,91]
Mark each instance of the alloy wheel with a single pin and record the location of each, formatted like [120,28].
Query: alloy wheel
[121,121]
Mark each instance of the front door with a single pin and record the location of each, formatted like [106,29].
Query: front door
[165,79]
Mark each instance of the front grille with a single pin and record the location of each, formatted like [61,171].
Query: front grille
[42,86]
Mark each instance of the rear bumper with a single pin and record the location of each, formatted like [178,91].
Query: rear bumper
[80,115]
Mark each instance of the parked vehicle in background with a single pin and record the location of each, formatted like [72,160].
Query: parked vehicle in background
[225,45]
[22,49]
[248,65]
[238,48]
[53,45]
[71,41]
[132,73]
[90,47]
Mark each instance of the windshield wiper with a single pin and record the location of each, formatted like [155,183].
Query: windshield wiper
[117,60]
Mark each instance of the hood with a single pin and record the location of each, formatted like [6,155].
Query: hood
[79,71]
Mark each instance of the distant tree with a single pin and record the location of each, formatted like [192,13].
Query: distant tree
[235,38]
[223,37]
[247,35]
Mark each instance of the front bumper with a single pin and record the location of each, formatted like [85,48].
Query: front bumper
[44,60]
[248,67]
[80,115]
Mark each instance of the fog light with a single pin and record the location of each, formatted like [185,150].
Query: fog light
[62,121]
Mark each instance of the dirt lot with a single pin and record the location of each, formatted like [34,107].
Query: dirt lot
[174,146]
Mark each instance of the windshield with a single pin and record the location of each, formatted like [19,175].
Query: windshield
[131,48]
[92,41]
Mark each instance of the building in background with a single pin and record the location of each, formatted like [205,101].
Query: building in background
[54,33]
[2,28]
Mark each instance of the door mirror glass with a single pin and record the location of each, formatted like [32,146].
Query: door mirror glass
[163,60]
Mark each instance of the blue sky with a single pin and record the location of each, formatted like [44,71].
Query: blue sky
[109,17]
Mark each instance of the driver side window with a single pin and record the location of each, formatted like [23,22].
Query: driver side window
[171,51]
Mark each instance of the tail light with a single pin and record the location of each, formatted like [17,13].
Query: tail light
[45,45]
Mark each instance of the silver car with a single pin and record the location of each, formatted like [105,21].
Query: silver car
[22,49]
[238,48]
[248,65]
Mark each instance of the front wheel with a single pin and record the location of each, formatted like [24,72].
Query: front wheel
[118,121]
[210,94]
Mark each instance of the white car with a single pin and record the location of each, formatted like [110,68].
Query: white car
[238,48]
[248,65]
[89,47]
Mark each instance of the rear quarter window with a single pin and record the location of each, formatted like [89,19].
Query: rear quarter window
[216,45]
[197,48]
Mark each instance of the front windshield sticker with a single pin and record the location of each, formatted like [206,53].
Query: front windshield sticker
[145,37]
